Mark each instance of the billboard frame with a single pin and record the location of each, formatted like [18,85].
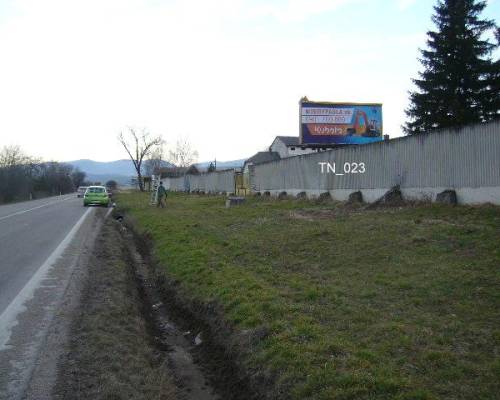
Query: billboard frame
[305,100]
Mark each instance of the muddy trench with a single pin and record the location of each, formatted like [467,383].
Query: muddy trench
[202,367]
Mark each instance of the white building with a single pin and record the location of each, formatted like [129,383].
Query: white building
[289,146]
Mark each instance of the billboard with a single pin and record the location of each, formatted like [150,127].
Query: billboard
[340,123]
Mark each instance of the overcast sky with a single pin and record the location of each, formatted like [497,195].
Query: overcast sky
[228,74]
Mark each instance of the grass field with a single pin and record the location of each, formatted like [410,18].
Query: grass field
[383,304]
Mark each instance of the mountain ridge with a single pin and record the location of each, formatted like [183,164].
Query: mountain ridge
[122,170]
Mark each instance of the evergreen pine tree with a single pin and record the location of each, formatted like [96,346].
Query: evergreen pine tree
[491,101]
[459,84]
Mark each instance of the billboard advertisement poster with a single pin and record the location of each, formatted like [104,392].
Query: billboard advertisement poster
[340,123]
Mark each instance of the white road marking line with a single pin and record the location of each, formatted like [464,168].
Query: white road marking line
[34,208]
[8,319]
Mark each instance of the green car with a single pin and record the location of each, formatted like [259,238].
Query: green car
[96,195]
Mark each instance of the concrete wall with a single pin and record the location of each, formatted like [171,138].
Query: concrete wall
[298,151]
[213,182]
[466,160]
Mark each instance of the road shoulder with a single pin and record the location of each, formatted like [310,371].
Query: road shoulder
[111,353]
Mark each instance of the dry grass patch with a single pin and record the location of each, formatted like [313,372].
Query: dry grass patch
[111,356]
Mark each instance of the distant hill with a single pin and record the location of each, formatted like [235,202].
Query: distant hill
[122,180]
[123,170]
[222,164]
[102,171]
[118,167]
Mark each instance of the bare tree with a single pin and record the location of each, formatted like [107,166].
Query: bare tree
[154,162]
[23,177]
[139,145]
[183,155]
[112,184]
[11,156]
[78,177]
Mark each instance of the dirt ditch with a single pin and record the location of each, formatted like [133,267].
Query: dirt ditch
[177,344]
[132,337]
[202,351]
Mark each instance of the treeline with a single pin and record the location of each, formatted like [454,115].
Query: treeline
[23,177]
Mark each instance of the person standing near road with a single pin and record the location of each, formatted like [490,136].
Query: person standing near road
[161,196]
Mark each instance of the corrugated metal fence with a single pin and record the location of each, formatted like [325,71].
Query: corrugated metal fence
[467,158]
[213,182]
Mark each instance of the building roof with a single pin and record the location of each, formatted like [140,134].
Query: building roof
[263,156]
[289,140]
[172,172]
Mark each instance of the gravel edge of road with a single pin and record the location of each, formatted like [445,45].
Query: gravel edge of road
[45,371]
[109,354]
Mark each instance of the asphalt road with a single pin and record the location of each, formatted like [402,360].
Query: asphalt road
[29,233]
[44,245]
